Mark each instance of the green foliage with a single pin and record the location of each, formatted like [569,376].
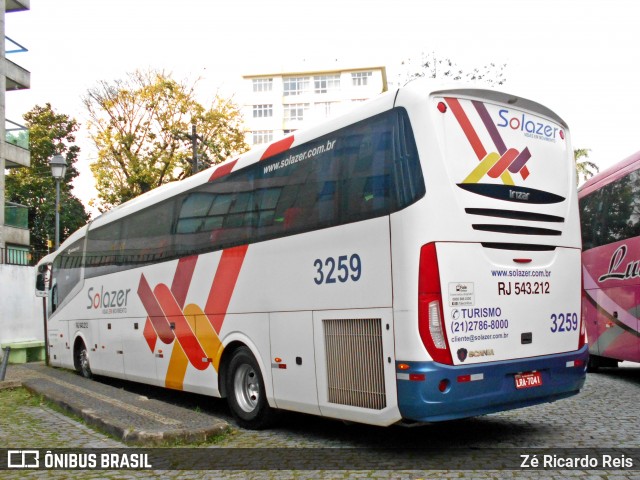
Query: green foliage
[140,127]
[585,169]
[50,134]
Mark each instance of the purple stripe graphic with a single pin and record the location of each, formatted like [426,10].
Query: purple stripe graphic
[520,160]
[491,128]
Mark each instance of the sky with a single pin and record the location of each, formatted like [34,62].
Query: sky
[581,58]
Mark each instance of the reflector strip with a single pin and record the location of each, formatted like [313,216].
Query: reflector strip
[470,378]
[413,377]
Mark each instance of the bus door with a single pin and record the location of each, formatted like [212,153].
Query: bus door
[139,360]
[110,351]
[293,365]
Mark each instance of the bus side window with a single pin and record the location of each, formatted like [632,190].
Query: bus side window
[66,272]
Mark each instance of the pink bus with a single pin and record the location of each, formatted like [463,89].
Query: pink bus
[610,218]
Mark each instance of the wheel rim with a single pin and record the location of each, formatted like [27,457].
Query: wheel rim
[84,361]
[246,388]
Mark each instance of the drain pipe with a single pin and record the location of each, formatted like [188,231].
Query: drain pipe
[5,360]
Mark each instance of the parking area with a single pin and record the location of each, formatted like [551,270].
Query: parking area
[602,417]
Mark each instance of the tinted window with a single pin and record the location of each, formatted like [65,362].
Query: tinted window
[103,250]
[612,213]
[363,171]
[67,271]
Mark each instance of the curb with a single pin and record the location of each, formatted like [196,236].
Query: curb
[130,428]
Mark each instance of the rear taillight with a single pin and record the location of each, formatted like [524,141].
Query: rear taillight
[582,340]
[430,313]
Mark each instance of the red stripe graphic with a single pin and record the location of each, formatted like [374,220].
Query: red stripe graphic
[223,170]
[182,329]
[223,285]
[277,147]
[467,128]
[166,306]
[502,164]
[155,312]
[182,278]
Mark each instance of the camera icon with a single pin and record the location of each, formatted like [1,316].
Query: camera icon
[23,459]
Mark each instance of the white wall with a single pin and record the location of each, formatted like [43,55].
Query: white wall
[20,309]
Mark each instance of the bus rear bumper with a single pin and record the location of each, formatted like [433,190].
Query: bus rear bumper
[471,390]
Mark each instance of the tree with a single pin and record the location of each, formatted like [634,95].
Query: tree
[585,168]
[443,68]
[140,127]
[50,133]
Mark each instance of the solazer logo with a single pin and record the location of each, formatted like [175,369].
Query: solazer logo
[110,301]
[530,127]
[501,164]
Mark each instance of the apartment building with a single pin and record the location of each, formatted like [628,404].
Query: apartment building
[14,143]
[276,104]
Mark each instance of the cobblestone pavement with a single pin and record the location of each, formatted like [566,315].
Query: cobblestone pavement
[604,415]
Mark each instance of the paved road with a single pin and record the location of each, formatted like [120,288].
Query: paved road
[605,415]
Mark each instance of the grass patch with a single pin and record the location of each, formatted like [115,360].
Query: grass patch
[14,404]
[12,399]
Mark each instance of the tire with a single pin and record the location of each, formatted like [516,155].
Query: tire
[593,365]
[245,392]
[596,363]
[83,367]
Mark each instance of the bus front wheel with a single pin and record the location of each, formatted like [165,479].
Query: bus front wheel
[82,364]
[245,392]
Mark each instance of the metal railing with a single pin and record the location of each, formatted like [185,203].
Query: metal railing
[11,46]
[16,134]
[20,256]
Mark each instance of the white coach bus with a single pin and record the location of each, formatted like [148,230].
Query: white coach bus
[415,260]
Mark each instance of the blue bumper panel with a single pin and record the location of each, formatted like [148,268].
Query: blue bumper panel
[422,401]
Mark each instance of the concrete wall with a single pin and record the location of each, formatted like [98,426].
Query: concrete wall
[20,309]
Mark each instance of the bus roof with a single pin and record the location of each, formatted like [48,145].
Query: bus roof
[611,174]
[380,103]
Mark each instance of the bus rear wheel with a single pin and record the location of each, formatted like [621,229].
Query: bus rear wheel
[83,367]
[245,392]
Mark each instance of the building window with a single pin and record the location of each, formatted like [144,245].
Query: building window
[325,109]
[326,83]
[262,136]
[360,79]
[288,131]
[262,111]
[295,111]
[262,84]
[296,85]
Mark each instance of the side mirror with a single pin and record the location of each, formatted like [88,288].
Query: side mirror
[43,280]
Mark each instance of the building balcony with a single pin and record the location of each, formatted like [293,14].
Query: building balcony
[16,224]
[16,215]
[11,46]
[18,78]
[16,149]
[17,5]
[16,134]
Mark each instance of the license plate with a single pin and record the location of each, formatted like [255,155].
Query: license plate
[528,380]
